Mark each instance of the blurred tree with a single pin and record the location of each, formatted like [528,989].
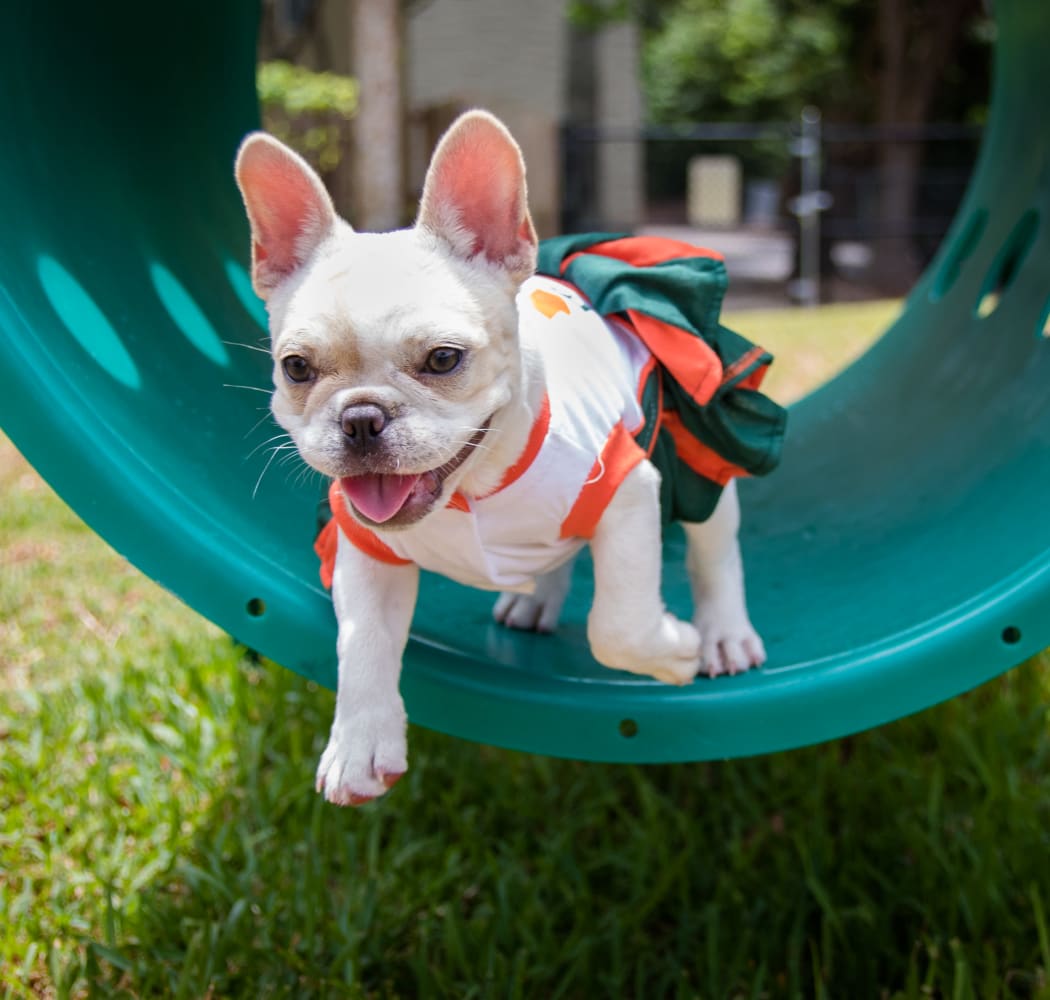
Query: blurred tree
[376,44]
[887,62]
[912,46]
[741,61]
[311,112]
[745,60]
[308,110]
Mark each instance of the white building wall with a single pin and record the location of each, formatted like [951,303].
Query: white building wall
[512,57]
[618,105]
[508,56]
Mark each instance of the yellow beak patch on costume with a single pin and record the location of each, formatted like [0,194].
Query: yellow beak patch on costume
[548,303]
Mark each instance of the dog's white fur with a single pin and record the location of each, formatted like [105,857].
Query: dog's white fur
[364,310]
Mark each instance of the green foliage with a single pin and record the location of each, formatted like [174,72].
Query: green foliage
[741,61]
[595,14]
[744,60]
[308,110]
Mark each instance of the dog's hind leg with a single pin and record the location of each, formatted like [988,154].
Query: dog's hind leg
[540,610]
[729,643]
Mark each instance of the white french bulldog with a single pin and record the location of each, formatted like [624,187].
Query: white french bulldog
[413,369]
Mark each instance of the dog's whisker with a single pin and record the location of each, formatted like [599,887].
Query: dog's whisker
[247,347]
[250,388]
[269,462]
[289,457]
[270,440]
[258,423]
[305,474]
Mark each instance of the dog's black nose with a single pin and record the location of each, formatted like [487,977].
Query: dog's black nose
[362,424]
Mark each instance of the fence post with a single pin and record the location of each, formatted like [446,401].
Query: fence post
[809,206]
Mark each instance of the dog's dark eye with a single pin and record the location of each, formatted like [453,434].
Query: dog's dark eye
[443,360]
[297,368]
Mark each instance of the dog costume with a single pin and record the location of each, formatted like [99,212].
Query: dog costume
[638,366]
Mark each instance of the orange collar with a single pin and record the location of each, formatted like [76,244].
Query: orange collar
[537,436]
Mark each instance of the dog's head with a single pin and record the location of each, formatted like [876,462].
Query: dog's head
[396,357]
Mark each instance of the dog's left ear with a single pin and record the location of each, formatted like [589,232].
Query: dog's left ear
[474,196]
[289,210]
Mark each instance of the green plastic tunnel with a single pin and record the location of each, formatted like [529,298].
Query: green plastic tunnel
[899,556]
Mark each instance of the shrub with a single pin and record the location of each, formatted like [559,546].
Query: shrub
[308,110]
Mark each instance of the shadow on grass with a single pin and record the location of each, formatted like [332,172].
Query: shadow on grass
[910,860]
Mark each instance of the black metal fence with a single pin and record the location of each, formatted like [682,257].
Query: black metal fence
[873,202]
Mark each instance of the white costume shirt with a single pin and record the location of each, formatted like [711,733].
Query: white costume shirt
[580,450]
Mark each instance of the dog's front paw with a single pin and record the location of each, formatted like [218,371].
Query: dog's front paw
[669,650]
[366,754]
[729,643]
[540,610]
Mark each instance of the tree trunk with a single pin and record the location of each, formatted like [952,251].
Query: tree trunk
[378,196]
[915,42]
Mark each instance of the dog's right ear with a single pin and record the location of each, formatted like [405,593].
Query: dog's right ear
[475,198]
[289,210]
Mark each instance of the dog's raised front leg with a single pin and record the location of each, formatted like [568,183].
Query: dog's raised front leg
[730,644]
[367,751]
[628,627]
[540,610]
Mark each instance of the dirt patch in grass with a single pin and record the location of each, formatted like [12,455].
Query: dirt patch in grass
[15,471]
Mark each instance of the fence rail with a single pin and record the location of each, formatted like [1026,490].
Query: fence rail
[889,191]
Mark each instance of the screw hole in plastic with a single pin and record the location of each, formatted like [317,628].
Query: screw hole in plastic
[1011,635]
[628,728]
[256,607]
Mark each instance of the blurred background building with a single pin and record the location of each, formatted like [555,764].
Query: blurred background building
[676,116]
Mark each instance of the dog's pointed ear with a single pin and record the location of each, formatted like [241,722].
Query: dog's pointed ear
[475,198]
[289,210]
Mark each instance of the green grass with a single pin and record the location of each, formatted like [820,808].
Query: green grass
[160,836]
[810,346]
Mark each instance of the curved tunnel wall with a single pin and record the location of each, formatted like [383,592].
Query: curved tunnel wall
[899,556]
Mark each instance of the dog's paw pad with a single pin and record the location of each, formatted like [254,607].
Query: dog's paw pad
[528,612]
[540,610]
[365,757]
[730,648]
[669,652]
[518,611]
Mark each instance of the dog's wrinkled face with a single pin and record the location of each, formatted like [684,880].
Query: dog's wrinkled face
[395,354]
[389,370]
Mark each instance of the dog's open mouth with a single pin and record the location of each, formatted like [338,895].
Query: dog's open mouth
[395,499]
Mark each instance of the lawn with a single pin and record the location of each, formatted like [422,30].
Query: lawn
[160,836]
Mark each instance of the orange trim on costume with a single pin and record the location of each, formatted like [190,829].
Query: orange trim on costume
[746,361]
[620,454]
[325,545]
[458,502]
[755,379]
[356,533]
[698,456]
[537,436]
[644,251]
[691,360]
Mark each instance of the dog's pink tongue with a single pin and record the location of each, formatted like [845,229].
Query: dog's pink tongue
[378,497]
